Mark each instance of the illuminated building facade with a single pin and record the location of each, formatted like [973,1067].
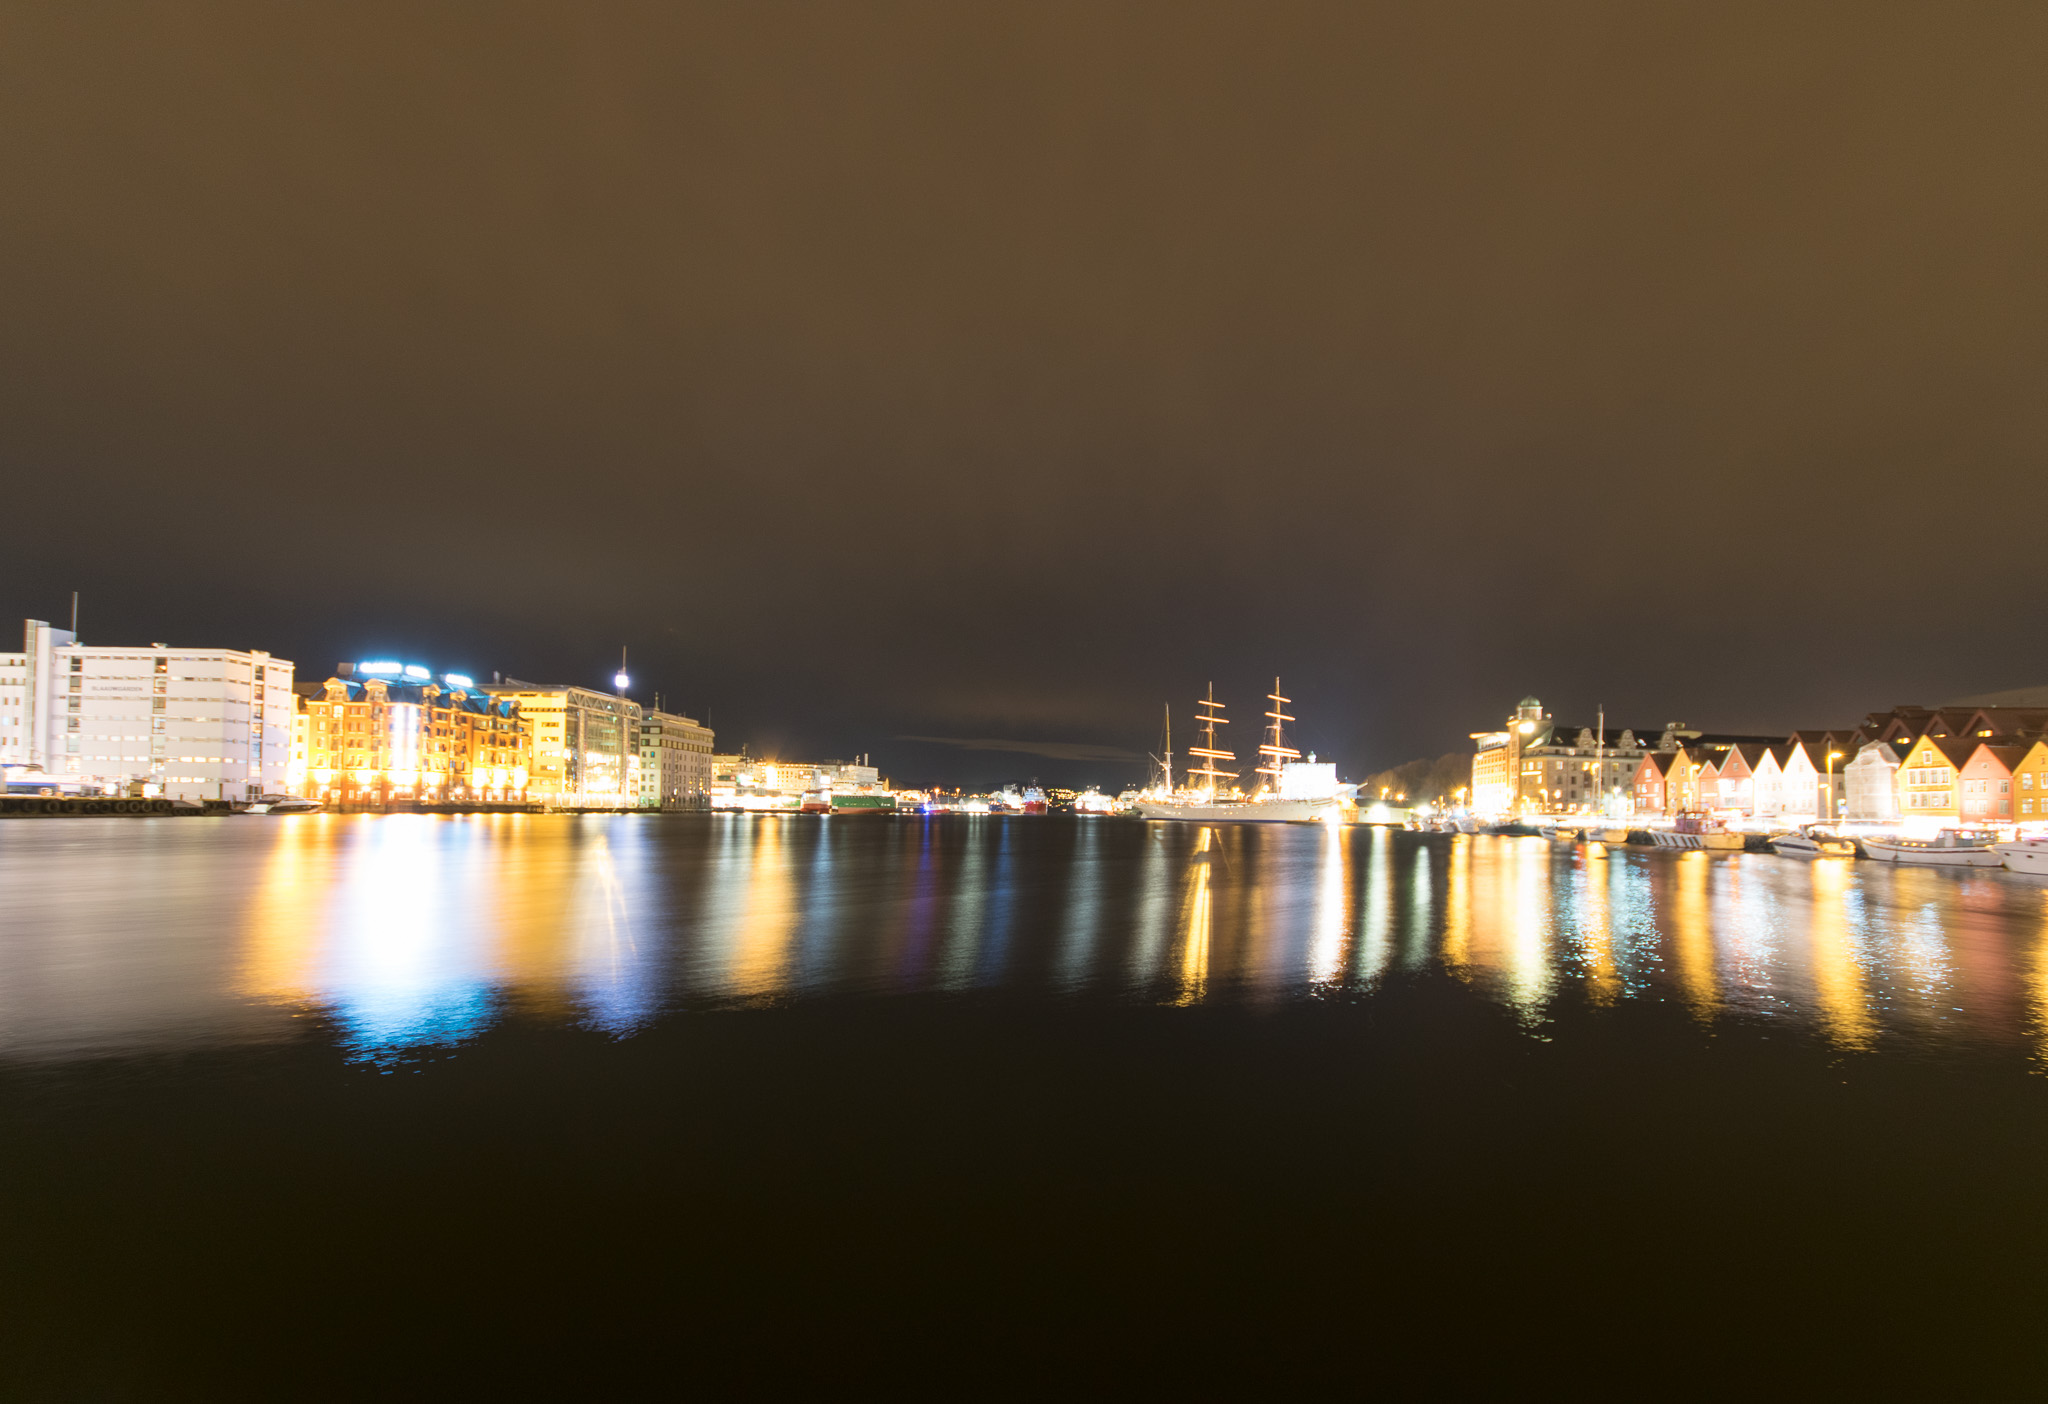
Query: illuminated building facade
[387,735]
[586,744]
[1986,783]
[1928,777]
[184,723]
[2030,784]
[1870,785]
[1534,765]
[675,762]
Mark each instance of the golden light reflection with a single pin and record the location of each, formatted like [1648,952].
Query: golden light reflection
[760,951]
[1332,933]
[2037,1002]
[1528,932]
[527,904]
[1498,924]
[1458,907]
[1376,918]
[1837,975]
[1596,927]
[1692,934]
[284,927]
[1195,922]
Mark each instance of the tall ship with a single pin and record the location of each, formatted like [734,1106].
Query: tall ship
[1290,791]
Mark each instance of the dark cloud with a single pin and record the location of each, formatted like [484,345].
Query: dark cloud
[1015,369]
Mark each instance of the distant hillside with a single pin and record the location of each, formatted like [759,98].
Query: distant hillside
[2018,697]
[1436,781]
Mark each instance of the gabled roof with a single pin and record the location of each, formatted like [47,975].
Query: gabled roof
[1894,752]
[2008,756]
[1750,752]
[1956,750]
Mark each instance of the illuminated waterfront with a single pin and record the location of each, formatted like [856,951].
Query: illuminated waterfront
[679,1079]
[410,934]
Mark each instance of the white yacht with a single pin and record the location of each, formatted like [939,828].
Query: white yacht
[2029,855]
[1291,793]
[1951,848]
[1812,846]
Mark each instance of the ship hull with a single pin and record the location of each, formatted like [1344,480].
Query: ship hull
[1282,811]
[1958,857]
[2025,857]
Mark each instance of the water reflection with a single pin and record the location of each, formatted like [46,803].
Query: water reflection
[410,932]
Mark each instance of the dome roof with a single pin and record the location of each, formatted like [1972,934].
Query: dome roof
[1532,702]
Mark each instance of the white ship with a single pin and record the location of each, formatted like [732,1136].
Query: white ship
[1951,848]
[1295,793]
[2025,855]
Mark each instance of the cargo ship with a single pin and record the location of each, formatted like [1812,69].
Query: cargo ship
[831,800]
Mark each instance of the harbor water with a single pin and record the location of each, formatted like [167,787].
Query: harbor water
[376,1105]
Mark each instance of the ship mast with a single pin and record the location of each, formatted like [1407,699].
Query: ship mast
[1276,752]
[1165,757]
[1207,722]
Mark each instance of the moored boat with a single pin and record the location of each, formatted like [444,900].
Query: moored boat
[1951,848]
[1812,846]
[1691,831]
[283,804]
[2028,855]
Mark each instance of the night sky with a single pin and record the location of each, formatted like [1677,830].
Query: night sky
[1000,373]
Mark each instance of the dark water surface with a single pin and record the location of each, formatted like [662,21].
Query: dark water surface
[386,1106]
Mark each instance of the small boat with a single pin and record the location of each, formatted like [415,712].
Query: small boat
[2028,855]
[1951,848]
[283,804]
[1693,831]
[1811,846]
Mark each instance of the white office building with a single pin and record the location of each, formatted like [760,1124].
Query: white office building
[187,723]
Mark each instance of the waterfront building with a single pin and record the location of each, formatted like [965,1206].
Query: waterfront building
[1649,787]
[1736,784]
[2030,783]
[1809,774]
[1767,781]
[383,734]
[1870,782]
[586,744]
[1535,764]
[1928,774]
[1705,779]
[1984,784]
[183,723]
[675,761]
